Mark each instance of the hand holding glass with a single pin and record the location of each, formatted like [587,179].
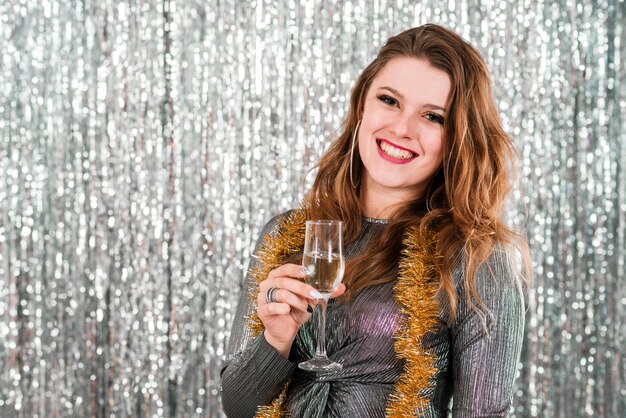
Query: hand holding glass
[324,262]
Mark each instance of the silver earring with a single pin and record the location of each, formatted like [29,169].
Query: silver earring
[428,198]
[356,129]
[430,185]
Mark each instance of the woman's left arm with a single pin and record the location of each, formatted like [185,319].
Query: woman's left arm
[485,351]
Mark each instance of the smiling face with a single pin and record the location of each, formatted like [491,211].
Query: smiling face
[401,132]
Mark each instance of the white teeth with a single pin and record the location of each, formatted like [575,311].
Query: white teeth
[395,152]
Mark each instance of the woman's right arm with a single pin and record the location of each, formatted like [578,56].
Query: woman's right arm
[258,371]
[258,367]
[254,372]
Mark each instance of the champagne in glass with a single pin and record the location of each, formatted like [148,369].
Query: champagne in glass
[324,271]
[324,262]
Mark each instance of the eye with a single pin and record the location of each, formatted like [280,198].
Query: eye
[434,117]
[387,99]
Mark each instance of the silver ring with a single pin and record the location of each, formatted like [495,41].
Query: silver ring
[270,295]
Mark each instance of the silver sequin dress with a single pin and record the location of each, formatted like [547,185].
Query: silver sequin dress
[475,369]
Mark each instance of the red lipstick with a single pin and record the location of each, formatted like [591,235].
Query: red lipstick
[394,160]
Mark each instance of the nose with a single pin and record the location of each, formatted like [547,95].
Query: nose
[403,126]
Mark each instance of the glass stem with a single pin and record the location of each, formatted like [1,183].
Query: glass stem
[320,350]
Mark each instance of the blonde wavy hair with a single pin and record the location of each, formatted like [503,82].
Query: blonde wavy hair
[465,197]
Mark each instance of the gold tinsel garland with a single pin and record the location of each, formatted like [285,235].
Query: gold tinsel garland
[415,294]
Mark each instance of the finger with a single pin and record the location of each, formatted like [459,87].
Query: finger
[292,271]
[296,302]
[288,270]
[271,309]
[340,291]
[295,286]
[285,296]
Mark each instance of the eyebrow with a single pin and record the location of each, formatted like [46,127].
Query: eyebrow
[397,93]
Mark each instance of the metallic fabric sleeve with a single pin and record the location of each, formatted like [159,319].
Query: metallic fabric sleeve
[254,372]
[484,363]
[253,378]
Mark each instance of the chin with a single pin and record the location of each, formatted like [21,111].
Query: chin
[395,185]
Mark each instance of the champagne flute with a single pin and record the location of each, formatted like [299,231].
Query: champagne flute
[324,262]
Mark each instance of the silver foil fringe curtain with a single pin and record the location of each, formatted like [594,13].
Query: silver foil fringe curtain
[143,144]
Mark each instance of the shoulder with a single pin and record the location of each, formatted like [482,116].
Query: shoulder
[281,226]
[273,226]
[502,268]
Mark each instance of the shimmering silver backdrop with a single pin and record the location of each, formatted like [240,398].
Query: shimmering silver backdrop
[144,143]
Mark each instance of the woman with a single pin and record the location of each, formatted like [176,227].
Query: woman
[430,319]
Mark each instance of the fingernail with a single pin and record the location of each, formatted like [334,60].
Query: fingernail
[309,309]
[304,271]
[315,294]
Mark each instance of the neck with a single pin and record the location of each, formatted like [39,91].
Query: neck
[381,203]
